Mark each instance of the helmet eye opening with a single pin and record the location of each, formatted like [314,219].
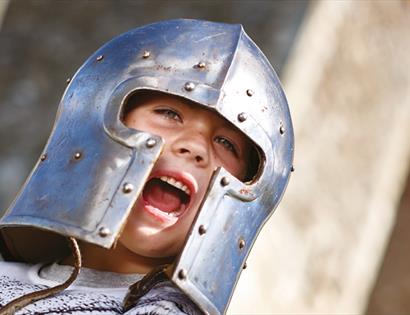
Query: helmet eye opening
[255,164]
[133,99]
[254,158]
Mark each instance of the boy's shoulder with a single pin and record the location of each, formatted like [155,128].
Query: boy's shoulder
[19,279]
[15,269]
[164,298]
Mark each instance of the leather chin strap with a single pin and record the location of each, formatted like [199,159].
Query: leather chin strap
[17,304]
[140,288]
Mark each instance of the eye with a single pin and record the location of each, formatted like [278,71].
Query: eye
[227,144]
[168,113]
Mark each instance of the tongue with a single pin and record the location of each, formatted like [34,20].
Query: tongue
[162,196]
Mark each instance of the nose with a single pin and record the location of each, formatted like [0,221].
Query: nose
[193,147]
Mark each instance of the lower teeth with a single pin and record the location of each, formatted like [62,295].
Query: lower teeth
[177,212]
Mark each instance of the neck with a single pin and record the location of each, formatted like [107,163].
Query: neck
[118,259]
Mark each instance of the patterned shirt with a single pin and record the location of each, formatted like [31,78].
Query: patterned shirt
[93,292]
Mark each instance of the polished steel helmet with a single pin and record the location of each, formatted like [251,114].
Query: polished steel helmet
[93,167]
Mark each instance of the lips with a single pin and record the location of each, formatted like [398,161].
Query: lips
[167,196]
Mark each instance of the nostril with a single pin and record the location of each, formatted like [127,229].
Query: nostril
[183,150]
[199,158]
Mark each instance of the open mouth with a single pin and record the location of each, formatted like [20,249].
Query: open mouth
[166,195]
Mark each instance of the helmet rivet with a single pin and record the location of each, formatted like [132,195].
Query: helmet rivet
[242,117]
[100,57]
[245,265]
[146,54]
[189,86]
[151,142]
[249,92]
[201,65]
[104,232]
[127,188]
[182,274]
[68,80]
[292,169]
[43,157]
[282,130]
[224,181]
[202,230]
[77,155]
[241,243]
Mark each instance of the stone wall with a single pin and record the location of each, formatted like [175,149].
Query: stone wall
[348,83]
[392,290]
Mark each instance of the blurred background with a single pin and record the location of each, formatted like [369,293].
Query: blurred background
[339,241]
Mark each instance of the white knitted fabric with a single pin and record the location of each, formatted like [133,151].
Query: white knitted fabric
[93,292]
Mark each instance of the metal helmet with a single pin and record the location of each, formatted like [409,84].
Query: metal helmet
[93,167]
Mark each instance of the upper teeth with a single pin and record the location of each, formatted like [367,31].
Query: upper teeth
[176,183]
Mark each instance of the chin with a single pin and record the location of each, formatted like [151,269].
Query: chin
[160,252]
[152,246]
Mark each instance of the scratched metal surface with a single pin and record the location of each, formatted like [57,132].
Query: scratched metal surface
[44,42]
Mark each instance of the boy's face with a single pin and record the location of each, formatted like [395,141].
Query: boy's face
[197,141]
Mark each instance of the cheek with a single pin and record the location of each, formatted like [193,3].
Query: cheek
[141,119]
[138,123]
[239,173]
[233,165]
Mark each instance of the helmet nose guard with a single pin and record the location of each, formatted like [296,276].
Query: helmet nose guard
[93,167]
